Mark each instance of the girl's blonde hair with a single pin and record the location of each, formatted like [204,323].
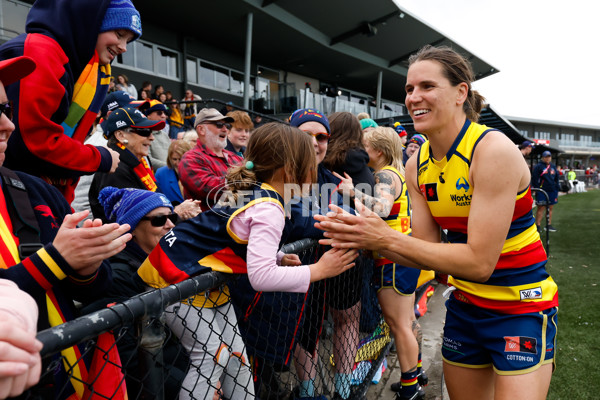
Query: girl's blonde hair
[388,142]
[273,146]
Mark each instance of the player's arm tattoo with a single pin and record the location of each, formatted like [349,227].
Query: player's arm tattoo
[385,194]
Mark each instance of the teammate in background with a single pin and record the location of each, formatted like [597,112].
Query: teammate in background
[395,284]
[545,177]
[500,332]
[73,44]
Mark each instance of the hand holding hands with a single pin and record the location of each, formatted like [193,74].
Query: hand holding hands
[344,230]
[332,263]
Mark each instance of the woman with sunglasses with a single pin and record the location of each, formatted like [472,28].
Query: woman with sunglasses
[130,134]
[150,215]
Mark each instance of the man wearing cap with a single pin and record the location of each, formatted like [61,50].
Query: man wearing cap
[157,111]
[545,176]
[46,256]
[203,168]
[73,44]
[130,134]
[526,147]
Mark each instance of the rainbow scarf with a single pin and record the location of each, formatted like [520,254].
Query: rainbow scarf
[88,95]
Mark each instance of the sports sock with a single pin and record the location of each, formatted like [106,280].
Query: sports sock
[342,384]
[409,383]
[307,388]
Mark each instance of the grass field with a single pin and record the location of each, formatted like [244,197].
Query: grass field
[574,264]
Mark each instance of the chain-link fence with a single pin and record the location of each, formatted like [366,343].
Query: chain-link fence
[214,337]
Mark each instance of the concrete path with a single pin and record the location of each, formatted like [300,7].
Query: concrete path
[432,324]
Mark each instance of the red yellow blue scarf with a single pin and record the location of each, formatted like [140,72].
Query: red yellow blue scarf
[88,95]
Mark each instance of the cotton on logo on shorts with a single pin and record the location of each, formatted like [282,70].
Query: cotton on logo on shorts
[531,294]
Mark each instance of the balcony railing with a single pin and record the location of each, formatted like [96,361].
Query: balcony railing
[578,143]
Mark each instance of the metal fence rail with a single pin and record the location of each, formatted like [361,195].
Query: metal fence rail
[151,345]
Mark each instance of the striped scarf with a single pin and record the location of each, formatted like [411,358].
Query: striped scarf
[140,166]
[105,377]
[88,95]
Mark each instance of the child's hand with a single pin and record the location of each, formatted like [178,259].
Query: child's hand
[346,185]
[332,263]
[291,260]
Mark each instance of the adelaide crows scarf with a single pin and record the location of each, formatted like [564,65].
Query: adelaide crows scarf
[88,95]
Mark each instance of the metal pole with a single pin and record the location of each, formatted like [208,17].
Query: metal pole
[249,22]
[378,100]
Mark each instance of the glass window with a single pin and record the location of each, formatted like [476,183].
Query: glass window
[127,58]
[222,78]
[237,83]
[191,70]
[207,74]
[143,56]
[166,62]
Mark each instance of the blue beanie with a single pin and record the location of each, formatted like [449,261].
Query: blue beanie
[121,14]
[128,206]
[368,123]
[305,115]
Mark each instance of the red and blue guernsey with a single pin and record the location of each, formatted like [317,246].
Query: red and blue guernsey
[205,242]
[519,283]
[56,105]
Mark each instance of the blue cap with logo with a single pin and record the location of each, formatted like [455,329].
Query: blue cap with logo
[130,117]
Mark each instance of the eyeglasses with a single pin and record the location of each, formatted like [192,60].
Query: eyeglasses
[320,136]
[161,220]
[7,109]
[220,124]
[141,132]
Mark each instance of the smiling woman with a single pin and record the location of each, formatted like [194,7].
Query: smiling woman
[503,297]
[130,134]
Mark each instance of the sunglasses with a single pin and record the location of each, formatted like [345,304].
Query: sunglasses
[141,132]
[320,136]
[7,109]
[161,220]
[220,124]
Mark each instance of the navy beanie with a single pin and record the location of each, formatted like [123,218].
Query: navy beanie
[128,206]
[121,14]
[305,115]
